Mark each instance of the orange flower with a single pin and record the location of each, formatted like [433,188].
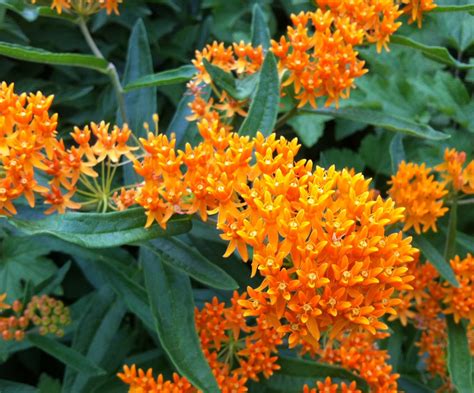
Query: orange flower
[414,188]
[452,168]
[416,8]
[329,387]
[87,7]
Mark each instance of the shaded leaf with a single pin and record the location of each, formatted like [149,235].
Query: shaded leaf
[168,77]
[459,356]
[102,230]
[260,31]
[172,305]
[397,152]
[190,261]
[263,110]
[64,354]
[36,55]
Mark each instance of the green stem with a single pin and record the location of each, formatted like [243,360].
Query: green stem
[450,246]
[111,70]
[285,117]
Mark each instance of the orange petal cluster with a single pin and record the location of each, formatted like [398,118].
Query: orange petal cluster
[415,188]
[460,178]
[236,351]
[85,7]
[416,8]
[48,314]
[359,352]
[328,386]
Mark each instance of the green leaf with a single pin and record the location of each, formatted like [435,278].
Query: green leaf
[397,152]
[48,385]
[459,356]
[437,53]
[436,259]
[383,120]
[129,291]
[221,78]
[23,261]
[450,245]
[260,31]
[164,78]
[36,55]
[140,105]
[294,373]
[263,110]
[172,305]
[51,283]
[454,8]
[94,336]
[309,127]
[411,385]
[64,354]
[102,230]
[15,387]
[190,261]
[341,158]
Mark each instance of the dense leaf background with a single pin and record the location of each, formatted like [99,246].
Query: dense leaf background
[419,89]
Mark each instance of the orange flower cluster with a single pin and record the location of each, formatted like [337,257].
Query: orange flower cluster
[329,387]
[416,8]
[235,350]
[459,178]
[318,236]
[85,7]
[30,151]
[46,313]
[359,352]
[415,188]
[321,63]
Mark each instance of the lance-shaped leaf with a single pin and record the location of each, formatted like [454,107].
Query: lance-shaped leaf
[168,77]
[102,230]
[171,299]
[436,259]
[260,31]
[190,261]
[64,354]
[383,120]
[436,53]
[263,110]
[459,356]
[397,152]
[36,55]
[15,387]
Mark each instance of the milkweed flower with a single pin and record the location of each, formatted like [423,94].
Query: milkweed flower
[328,386]
[236,351]
[460,178]
[416,8]
[415,188]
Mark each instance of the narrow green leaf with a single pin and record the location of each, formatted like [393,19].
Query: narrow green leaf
[31,12]
[465,241]
[48,385]
[15,387]
[450,246]
[190,261]
[94,336]
[102,230]
[459,356]
[36,55]
[129,291]
[295,372]
[260,31]
[411,385]
[263,110]
[172,305]
[397,152]
[66,355]
[454,8]
[51,283]
[436,53]
[383,120]
[436,259]
[168,77]
[221,78]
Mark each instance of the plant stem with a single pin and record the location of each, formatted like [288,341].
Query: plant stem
[111,70]
[450,246]
[285,117]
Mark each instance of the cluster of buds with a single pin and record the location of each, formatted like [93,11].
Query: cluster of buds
[49,315]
